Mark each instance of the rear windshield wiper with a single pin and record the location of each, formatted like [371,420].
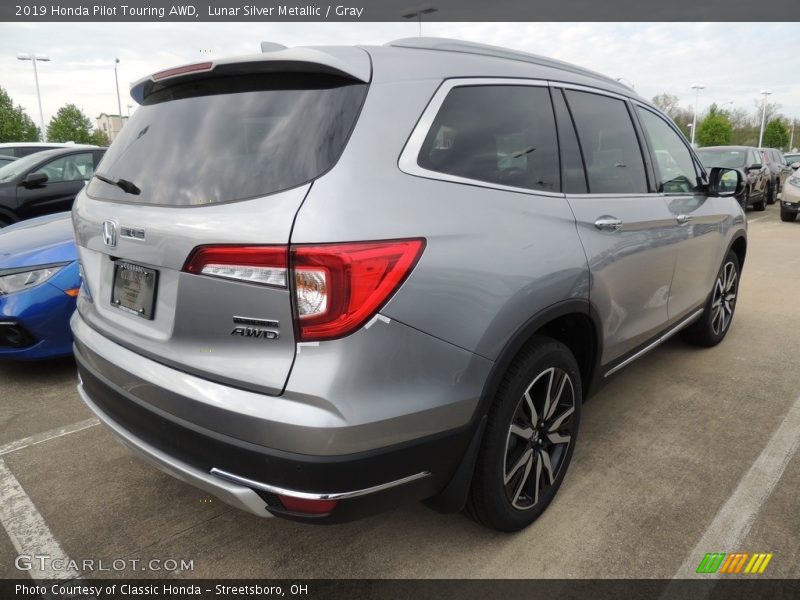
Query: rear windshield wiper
[126,186]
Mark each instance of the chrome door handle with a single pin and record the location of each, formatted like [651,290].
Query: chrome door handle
[608,223]
[683,219]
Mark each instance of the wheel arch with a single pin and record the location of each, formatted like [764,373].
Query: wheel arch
[8,214]
[739,247]
[575,323]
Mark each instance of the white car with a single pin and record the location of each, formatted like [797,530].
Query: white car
[790,198]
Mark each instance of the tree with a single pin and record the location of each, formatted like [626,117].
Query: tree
[15,125]
[99,138]
[70,125]
[776,134]
[715,129]
[668,103]
[771,110]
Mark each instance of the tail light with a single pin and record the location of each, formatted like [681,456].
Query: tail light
[263,265]
[337,287]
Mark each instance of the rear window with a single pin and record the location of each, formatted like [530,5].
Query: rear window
[722,158]
[233,138]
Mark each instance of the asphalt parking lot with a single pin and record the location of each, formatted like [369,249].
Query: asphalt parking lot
[688,451]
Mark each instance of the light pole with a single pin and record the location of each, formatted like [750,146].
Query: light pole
[34,58]
[697,87]
[764,93]
[119,102]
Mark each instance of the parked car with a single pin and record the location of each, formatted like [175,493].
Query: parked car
[790,199]
[748,162]
[20,149]
[39,281]
[793,160]
[4,160]
[316,302]
[45,182]
[779,170]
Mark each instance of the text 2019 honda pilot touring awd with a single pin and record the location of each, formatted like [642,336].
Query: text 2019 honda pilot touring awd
[323,281]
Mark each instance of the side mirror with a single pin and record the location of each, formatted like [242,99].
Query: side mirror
[724,183]
[753,167]
[795,166]
[33,180]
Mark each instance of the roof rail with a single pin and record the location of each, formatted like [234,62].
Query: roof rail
[451,45]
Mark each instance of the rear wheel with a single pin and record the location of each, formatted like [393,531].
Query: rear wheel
[787,216]
[713,324]
[5,221]
[530,435]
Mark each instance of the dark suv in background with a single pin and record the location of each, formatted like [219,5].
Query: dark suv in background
[779,172]
[319,282]
[749,163]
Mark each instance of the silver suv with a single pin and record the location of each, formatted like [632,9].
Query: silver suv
[319,282]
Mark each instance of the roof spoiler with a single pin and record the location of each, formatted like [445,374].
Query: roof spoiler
[344,61]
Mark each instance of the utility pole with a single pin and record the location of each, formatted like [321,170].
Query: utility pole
[764,93]
[34,58]
[697,87]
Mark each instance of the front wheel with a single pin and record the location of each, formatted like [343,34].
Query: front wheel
[712,326]
[771,193]
[530,434]
[787,216]
[744,199]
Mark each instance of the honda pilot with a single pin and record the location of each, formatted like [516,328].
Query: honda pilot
[321,282]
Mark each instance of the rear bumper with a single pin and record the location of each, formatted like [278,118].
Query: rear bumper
[249,475]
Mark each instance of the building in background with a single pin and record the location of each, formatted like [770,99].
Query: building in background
[111,125]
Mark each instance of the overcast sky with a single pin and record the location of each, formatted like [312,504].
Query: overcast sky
[735,60]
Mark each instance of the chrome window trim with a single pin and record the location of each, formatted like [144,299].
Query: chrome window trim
[616,196]
[407,162]
[585,88]
[274,489]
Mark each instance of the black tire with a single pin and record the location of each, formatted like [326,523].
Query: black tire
[713,325]
[525,452]
[5,221]
[761,205]
[744,199]
[787,216]
[771,193]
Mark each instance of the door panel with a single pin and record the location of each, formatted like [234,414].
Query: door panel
[627,232]
[66,177]
[697,224]
[631,268]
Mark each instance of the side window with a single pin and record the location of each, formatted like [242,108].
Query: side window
[611,151]
[572,172]
[75,167]
[676,170]
[502,134]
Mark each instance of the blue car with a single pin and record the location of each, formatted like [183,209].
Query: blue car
[39,283]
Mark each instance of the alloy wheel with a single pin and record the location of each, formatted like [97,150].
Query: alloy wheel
[724,299]
[538,439]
